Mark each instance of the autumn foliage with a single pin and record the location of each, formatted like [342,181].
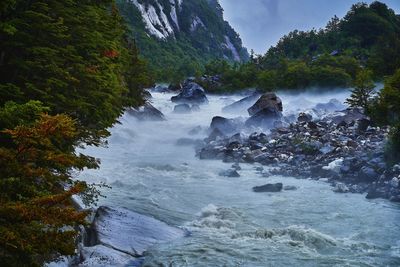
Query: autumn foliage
[37,219]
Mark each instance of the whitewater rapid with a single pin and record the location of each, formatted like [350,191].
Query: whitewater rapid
[230,225]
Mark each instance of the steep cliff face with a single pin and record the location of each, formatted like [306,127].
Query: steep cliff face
[193,30]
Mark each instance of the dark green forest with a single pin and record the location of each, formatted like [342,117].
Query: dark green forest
[367,37]
[68,69]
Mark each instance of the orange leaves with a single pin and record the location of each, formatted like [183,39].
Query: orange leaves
[58,126]
[111,53]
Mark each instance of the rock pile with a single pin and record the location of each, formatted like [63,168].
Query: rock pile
[344,147]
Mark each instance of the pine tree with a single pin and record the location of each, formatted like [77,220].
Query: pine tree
[363,90]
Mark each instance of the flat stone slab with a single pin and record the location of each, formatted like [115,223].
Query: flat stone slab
[130,232]
[104,256]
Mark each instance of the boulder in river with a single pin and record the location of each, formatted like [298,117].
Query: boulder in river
[349,116]
[175,87]
[229,173]
[304,117]
[195,107]
[269,101]
[161,88]
[182,109]
[130,232]
[242,104]
[101,255]
[265,111]
[269,188]
[147,112]
[331,106]
[341,188]
[191,93]
[224,125]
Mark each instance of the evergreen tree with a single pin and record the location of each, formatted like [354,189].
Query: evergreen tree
[363,91]
[67,71]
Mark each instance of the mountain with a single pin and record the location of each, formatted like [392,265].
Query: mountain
[178,37]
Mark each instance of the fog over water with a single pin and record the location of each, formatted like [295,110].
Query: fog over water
[230,225]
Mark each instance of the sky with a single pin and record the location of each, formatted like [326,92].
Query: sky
[261,23]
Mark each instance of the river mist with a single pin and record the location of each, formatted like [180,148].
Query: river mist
[153,173]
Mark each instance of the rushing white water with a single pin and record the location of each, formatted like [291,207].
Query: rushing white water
[230,224]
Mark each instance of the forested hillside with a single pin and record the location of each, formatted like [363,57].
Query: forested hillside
[67,70]
[179,37]
[353,51]
[367,37]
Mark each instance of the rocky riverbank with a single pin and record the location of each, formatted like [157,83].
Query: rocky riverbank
[343,147]
[118,237]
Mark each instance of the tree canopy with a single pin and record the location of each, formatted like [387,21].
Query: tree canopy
[68,69]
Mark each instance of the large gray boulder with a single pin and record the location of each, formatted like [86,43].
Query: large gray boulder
[224,125]
[130,232]
[242,104]
[182,108]
[268,101]
[331,106]
[268,188]
[349,116]
[265,111]
[146,113]
[191,93]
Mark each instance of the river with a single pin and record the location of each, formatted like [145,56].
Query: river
[230,225]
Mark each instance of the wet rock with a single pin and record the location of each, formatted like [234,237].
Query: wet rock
[318,149]
[269,101]
[265,118]
[289,188]
[395,198]
[130,232]
[146,95]
[242,105]
[367,174]
[265,112]
[236,166]
[182,109]
[349,116]
[332,105]
[146,113]
[101,255]
[175,87]
[212,152]
[304,117]
[191,93]
[229,173]
[236,138]
[195,108]
[161,89]
[334,165]
[215,135]
[394,182]
[226,126]
[269,188]
[376,193]
[326,149]
[363,124]
[341,188]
